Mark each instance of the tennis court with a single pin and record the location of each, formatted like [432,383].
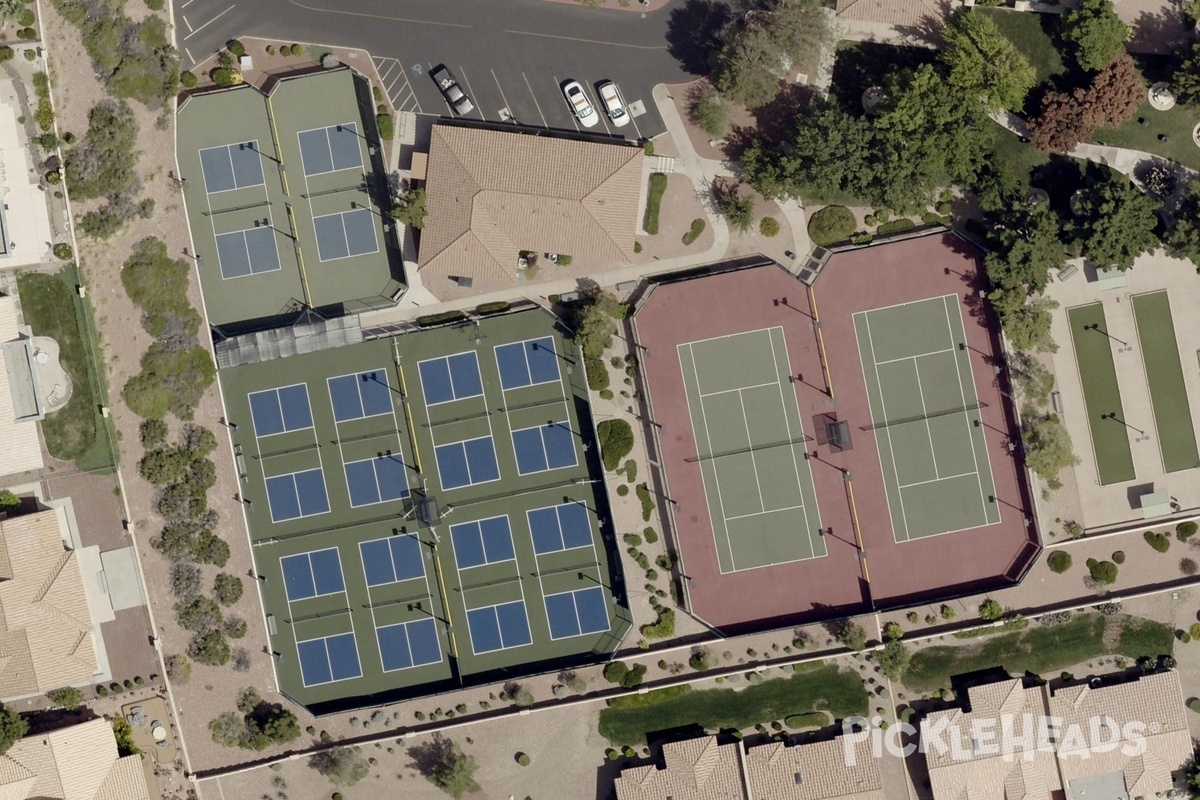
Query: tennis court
[1101,393]
[926,418]
[1164,376]
[751,450]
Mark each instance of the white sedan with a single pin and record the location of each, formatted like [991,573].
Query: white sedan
[581,107]
[614,106]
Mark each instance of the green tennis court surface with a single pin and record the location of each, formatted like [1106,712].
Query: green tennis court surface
[750,446]
[1101,394]
[925,412]
[1164,374]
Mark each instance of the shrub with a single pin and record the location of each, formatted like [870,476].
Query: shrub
[1160,542]
[179,669]
[234,627]
[912,616]
[386,126]
[1059,561]
[68,697]
[990,610]
[1187,566]
[1185,531]
[831,225]
[410,208]
[650,535]
[852,635]
[227,588]
[236,48]
[769,227]
[701,660]
[615,671]
[104,163]
[895,226]
[694,232]
[185,579]
[9,501]
[661,628]
[597,375]
[1118,557]
[209,648]
[296,50]
[1102,572]
[616,440]
[226,76]
[658,185]
[6,53]
[155,5]
[892,631]
[26,34]
[643,494]
[630,470]
[632,539]
[523,759]
[738,210]
[947,612]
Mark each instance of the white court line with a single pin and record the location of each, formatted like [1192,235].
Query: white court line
[925,414]
[753,461]
[708,442]
[935,480]
[911,358]
[765,512]
[739,388]
[967,417]
[535,101]
[911,303]
[887,429]
[210,22]
[787,422]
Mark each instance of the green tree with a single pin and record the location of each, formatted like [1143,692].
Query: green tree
[893,659]
[990,610]
[1026,320]
[12,727]
[105,162]
[852,635]
[446,766]
[759,51]
[9,502]
[1183,238]
[410,208]
[1117,222]
[595,321]
[984,63]
[1096,31]
[68,697]
[707,110]
[227,588]
[738,210]
[198,614]
[1048,448]
[343,766]
[1185,82]
[1025,248]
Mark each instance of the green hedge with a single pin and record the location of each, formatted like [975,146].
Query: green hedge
[440,319]
[694,232]
[658,185]
[895,226]
[597,374]
[616,442]
[831,225]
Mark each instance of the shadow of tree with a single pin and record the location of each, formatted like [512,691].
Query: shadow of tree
[1162,31]
[928,30]
[694,33]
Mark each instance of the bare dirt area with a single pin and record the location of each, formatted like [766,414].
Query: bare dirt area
[212,689]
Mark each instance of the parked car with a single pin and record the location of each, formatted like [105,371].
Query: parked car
[577,99]
[450,89]
[614,105]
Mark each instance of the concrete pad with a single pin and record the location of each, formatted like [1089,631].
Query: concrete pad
[91,567]
[122,579]
[25,212]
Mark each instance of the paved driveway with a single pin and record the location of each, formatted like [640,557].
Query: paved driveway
[510,55]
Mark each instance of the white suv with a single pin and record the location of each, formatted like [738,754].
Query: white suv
[614,106]
[577,99]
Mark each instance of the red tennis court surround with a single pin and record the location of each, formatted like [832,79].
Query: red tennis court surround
[932,568]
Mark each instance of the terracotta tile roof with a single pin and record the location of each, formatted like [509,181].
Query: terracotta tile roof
[491,194]
[45,623]
[817,771]
[971,767]
[1155,701]
[76,763]
[695,769]
[891,12]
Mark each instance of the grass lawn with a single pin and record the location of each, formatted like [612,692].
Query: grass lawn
[1164,374]
[1021,157]
[1040,649]
[1101,394]
[1034,35]
[1176,125]
[841,692]
[76,432]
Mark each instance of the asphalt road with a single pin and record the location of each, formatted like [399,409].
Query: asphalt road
[510,55]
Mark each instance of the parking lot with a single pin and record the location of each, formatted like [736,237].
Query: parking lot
[510,56]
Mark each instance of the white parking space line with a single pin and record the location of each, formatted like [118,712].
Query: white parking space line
[191,58]
[535,102]
[570,110]
[502,97]
[474,96]
[210,22]
[185,21]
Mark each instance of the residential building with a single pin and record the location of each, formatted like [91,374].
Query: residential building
[76,763]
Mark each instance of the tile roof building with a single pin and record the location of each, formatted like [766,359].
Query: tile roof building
[76,763]
[491,194]
[1155,703]
[45,621]
[22,451]
[972,762]
[702,769]
[898,13]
